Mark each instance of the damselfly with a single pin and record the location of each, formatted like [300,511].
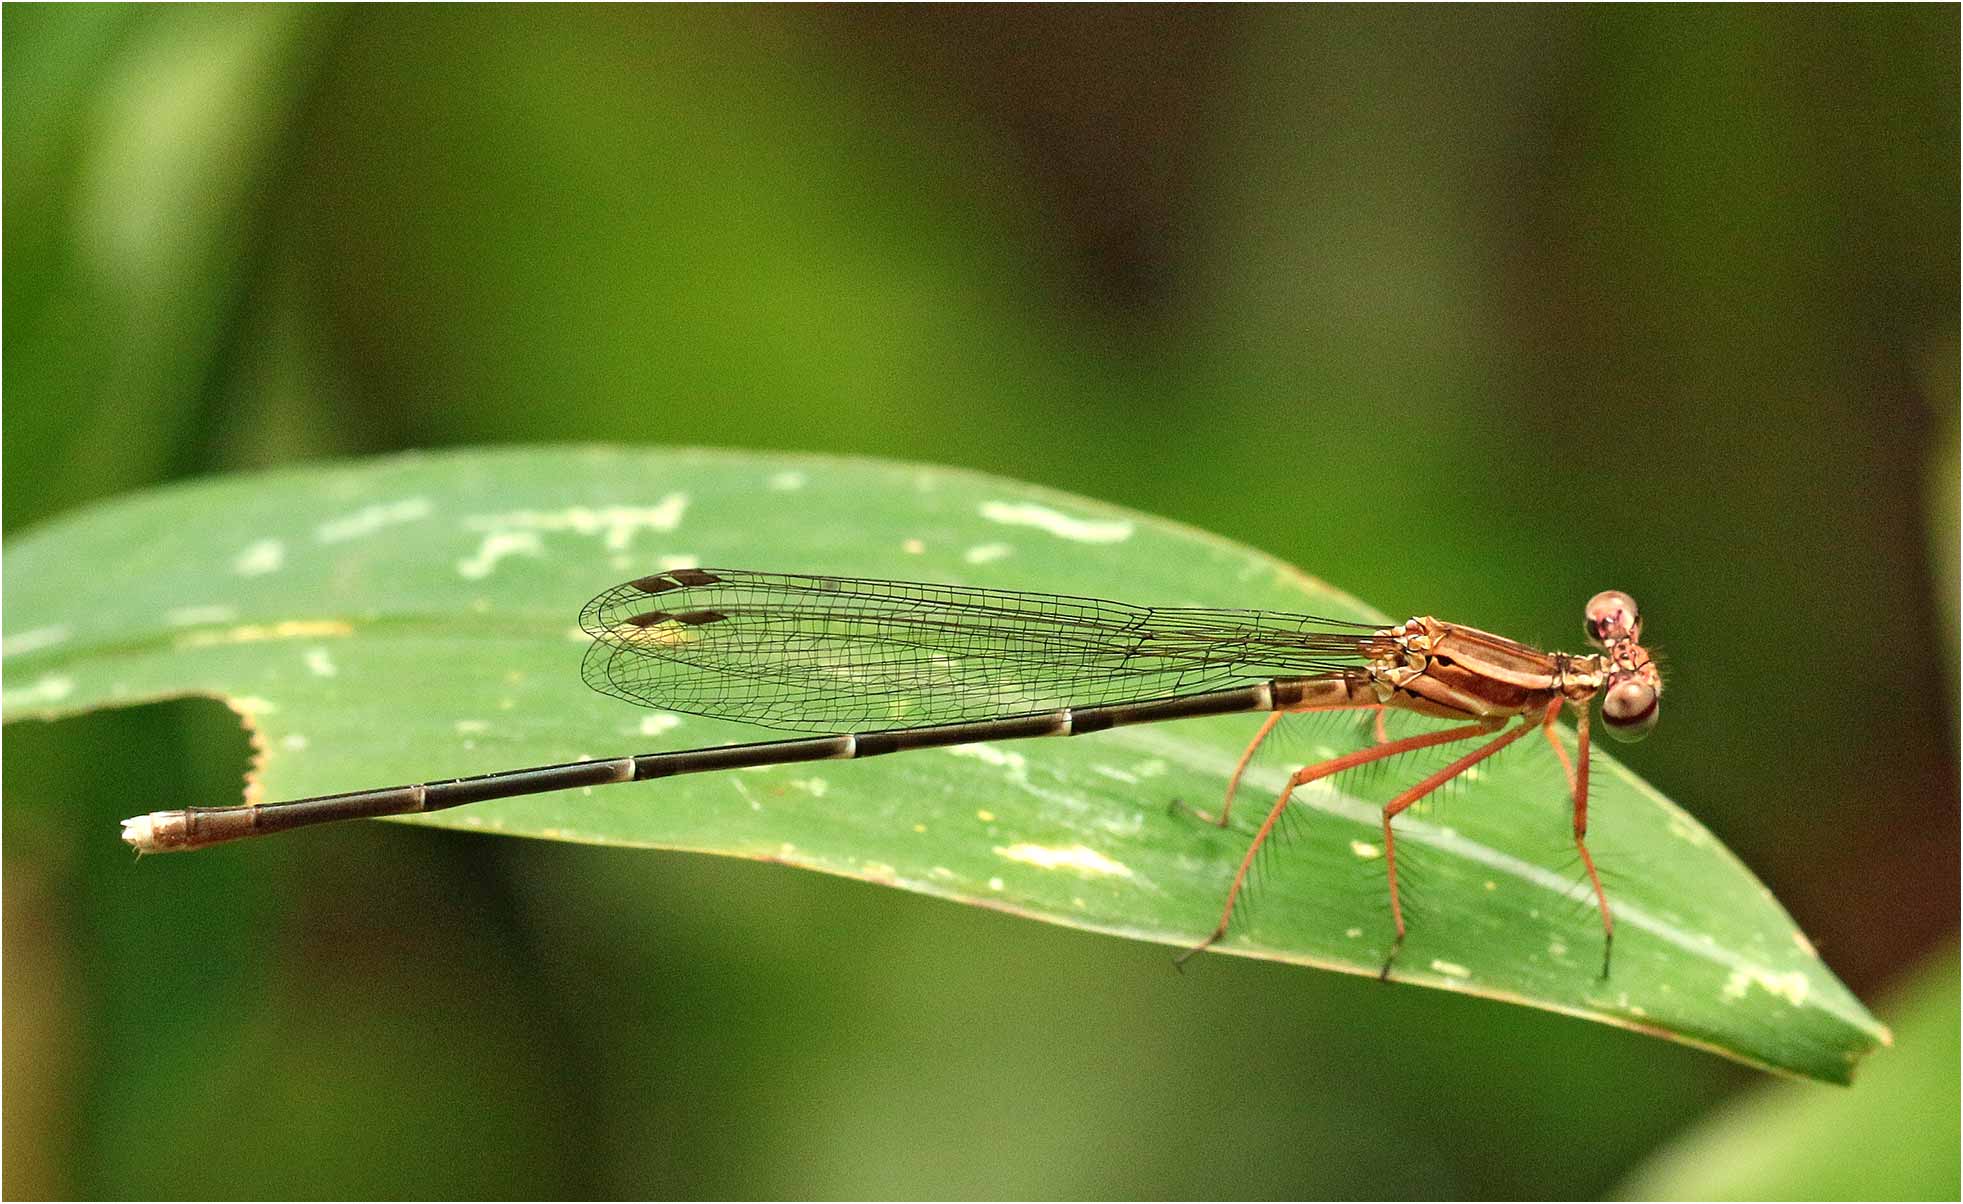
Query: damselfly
[885,666]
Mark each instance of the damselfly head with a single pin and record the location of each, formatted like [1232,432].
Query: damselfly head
[1630,708]
[1611,618]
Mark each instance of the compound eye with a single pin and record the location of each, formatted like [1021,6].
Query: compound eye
[1630,710]
[1611,617]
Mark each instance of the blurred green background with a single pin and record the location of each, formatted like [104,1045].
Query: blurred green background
[1468,311]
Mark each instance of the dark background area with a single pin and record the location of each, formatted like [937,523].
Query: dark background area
[1468,311]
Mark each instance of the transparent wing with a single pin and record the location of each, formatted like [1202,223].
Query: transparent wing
[841,654]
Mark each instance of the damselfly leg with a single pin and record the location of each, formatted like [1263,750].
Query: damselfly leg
[1311,773]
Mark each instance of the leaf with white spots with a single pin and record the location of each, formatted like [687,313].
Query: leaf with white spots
[414,618]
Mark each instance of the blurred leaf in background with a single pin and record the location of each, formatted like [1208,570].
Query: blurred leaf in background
[1470,312]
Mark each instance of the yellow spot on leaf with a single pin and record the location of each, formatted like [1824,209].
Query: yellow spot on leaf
[252,633]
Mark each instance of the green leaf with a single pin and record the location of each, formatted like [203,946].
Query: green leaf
[1789,1141]
[413,618]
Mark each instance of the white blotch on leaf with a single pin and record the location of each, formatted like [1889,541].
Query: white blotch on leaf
[1016,764]
[788,481]
[1684,829]
[1365,850]
[618,524]
[1071,857]
[1127,825]
[1063,526]
[194,616]
[495,547]
[1450,969]
[33,640]
[983,553]
[370,519]
[48,688]
[472,727]
[320,664]
[258,559]
[655,725]
[1792,987]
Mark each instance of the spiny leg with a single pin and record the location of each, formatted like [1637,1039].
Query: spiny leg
[1254,745]
[1303,777]
[1551,730]
[1240,767]
[1579,780]
[1392,808]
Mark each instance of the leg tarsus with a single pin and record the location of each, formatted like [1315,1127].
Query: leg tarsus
[1179,962]
[1181,807]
